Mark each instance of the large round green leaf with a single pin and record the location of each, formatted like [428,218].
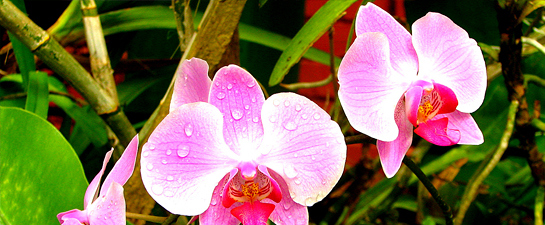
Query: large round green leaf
[40,175]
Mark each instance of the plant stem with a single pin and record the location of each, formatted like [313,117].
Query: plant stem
[60,61]
[487,165]
[170,219]
[538,207]
[155,219]
[300,85]
[434,193]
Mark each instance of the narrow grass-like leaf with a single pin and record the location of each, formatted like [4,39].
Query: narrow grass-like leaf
[40,174]
[37,100]
[318,24]
[25,58]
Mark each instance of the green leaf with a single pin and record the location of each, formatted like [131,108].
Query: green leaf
[318,24]
[40,175]
[37,100]
[25,58]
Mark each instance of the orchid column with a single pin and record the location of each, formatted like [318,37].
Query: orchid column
[227,154]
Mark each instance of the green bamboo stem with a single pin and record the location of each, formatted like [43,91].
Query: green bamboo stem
[529,78]
[60,61]
[155,219]
[98,54]
[487,165]
[184,21]
[301,85]
[538,207]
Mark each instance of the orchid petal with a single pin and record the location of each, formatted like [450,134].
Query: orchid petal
[469,130]
[303,145]
[276,194]
[438,132]
[92,189]
[372,18]
[192,83]
[68,217]
[369,90]
[448,98]
[448,56]
[185,158]
[123,168]
[391,153]
[110,208]
[412,102]
[287,212]
[238,96]
[216,212]
[253,213]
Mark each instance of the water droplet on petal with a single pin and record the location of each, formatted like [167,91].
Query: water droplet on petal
[188,129]
[145,154]
[220,95]
[237,114]
[276,102]
[290,125]
[217,84]
[254,99]
[164,161]
[310,201]
[295,155]
[324,182]
[169,152]
[170,178]
[317,116]
[287,103]
[151,146]
[287,206]
[247,107]
[304,116]
[290,171]
[183,151]
[230,86]
[149,166]
[313,157]
[272,119]
[214,201]
[298,107]
[250,84]
[255,119]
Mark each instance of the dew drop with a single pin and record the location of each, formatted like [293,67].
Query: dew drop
[324,182]
[149,166]
[254,99]
[290,125]
[295,155]
[290,171]
[287,206]
[316,116]
[304,116]
[255,119]
[151,146]
[164,161]
[287,103]
[230,86]
[292,195]
[169,152]
[276,102]
[250,84]
[237,114]
[313,157]
[217,84]
[214,201]
[188,129]
[183,151]
[272,119]
[221,95]
[170,178]
[298,108]
[247,107]
[145,154]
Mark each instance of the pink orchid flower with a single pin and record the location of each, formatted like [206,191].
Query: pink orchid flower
[391,82]
[230,156]
[109,207]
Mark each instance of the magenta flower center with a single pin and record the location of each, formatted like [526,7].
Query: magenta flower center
[429,106]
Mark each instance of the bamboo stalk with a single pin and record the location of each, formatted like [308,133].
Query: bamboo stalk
[60,61]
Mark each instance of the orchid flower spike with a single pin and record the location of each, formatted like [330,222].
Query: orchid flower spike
[109,206]
[230,156]
[391,82]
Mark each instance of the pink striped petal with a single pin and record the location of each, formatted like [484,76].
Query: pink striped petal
[253,213]
[192,83]
[303,145]
[74,216]
[369,89]
[93,188]
[372,18]
[185,158]
[123,168]
[448,56]
[216,212]
[239,98]
[469,130]
[110,208]
[412,102]
[391,153]
[438,132]
[287,212]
